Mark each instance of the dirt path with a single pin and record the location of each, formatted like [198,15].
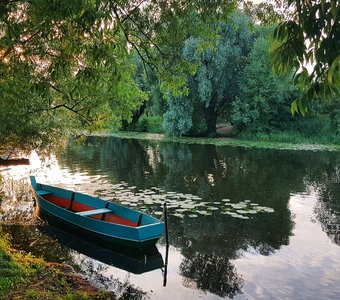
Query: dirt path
[224,129]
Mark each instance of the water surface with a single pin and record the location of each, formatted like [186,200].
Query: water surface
[243,223]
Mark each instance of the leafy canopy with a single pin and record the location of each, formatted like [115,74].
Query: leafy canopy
[212,85]
[68,62]
[263,98]
[309,43]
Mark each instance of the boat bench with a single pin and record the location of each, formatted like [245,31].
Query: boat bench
[43,193]
[93,212]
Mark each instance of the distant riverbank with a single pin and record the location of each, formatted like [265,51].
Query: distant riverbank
[224,141]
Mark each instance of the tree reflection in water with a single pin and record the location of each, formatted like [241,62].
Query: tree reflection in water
[211,273]
[327,209]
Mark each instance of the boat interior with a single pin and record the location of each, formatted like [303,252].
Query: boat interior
[105,214]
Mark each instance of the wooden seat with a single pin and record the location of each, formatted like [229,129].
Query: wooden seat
[43,193]
[93,212]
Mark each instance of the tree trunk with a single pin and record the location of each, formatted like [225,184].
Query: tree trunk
[210,116]
[14,162]
[135,117]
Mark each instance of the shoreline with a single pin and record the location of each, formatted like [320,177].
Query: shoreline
[219,141]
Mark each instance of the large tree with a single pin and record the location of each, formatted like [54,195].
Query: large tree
[263,99]
[213,86]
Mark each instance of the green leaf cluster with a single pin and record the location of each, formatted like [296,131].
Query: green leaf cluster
[263,99]
[308,43]
[212,87]
[67,64]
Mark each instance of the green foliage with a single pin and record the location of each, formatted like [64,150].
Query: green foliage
[265,12]
[178,118]
[304,131]
[155,124]
[66,64]
[335,117]
[308,43]
[63,66]
[263,100]
[212,87]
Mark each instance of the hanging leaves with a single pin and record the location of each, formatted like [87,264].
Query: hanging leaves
[308,43]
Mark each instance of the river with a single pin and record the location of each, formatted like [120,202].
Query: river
[243,223]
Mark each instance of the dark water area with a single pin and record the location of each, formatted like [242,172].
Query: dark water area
[243,223]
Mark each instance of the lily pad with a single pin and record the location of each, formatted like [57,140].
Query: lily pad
[225,200]
[212,208]
[202,212]
[241,211]
[178,215]
[193,216]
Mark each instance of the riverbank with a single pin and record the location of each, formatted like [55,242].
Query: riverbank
[26,277]
[223,141]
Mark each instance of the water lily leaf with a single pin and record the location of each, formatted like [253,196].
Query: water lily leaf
[193,216]
[225,200]
[178,215]
[212,208]
[241,211]
[202,212]
[181,209]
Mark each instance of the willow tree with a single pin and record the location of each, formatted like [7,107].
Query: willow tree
[67,63]
[213,85]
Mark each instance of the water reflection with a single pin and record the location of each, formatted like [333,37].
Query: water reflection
[136,262]
[209,246]
[328,208]
[215,274]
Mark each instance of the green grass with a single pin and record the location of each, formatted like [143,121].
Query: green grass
[293,137]
[25,277]
[270,142]
[11,270]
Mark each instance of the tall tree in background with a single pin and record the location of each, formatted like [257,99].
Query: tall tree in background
[213,86]
[263,99]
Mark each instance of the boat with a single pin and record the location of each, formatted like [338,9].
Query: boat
[102,222]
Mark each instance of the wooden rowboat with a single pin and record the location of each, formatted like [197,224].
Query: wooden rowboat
[103,222]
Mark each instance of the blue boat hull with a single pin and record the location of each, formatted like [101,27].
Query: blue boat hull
[94,219]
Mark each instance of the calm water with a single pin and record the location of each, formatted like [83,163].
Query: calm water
[243,223]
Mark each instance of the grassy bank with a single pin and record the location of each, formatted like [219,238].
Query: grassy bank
[270,142]
[26,277]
